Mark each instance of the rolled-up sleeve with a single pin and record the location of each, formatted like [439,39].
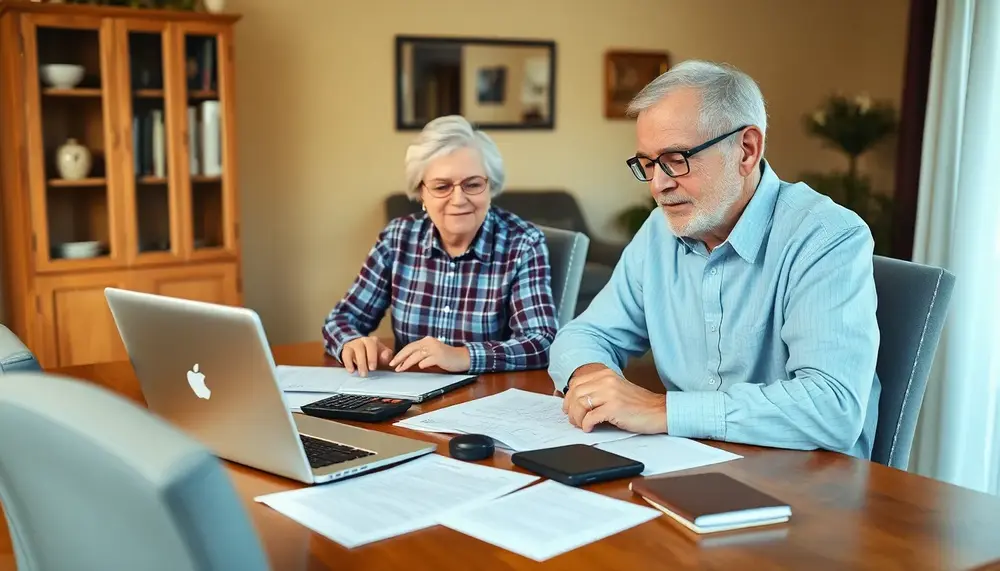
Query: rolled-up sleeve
[832,336]
[532,317]
[362,308]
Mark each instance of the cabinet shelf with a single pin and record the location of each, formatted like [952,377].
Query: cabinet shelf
[149,93]
[203,94]
[81,183]
[203,179]
[73,92]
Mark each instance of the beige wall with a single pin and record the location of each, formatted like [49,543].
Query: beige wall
[315,109]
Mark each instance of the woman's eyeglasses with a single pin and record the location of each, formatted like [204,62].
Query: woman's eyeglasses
[440,188]
[674,163]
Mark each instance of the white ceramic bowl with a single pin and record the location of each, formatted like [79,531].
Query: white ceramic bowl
[77,250]
[62,75]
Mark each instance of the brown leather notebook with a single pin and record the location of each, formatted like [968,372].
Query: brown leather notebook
[706,503]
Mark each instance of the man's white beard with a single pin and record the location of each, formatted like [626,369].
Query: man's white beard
[710,213]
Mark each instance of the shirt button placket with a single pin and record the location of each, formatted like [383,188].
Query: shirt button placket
[712,322]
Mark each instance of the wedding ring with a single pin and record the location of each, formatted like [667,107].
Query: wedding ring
[590,403]
[424,351]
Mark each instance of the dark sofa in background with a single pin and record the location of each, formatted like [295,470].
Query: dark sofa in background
[554,208]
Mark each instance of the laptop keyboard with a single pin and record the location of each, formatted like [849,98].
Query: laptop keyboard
[322,453]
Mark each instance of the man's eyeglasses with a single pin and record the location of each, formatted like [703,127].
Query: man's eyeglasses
[674,163]
[440,188]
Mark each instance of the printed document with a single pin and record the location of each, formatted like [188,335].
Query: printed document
[547,519]
[661,453]
[388,384]
[516,419]
[310,379]
[398,500]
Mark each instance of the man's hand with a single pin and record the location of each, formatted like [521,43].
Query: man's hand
[430,352]
[597,396]
[364,354]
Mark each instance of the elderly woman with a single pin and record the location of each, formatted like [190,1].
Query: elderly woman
[467,284]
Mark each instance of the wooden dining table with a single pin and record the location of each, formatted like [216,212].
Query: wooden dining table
[847,513]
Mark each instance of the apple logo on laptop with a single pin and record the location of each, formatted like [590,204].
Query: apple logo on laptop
[197,381]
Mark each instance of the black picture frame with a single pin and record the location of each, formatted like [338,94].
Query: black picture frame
[546,124]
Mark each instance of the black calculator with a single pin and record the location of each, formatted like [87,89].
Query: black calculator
[363,408]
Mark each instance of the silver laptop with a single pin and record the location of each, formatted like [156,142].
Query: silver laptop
[208,370]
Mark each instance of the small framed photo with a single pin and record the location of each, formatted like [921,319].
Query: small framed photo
[627,72]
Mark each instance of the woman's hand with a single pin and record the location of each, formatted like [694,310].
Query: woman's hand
[365,354]
[429,352]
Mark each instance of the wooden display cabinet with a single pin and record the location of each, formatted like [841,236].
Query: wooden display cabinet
[157,209]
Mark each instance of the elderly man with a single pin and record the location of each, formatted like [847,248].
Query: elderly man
[756,296]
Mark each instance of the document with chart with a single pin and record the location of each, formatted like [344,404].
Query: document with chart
[518,420]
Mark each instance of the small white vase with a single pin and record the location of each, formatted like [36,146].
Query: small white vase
[215,6]
[73,160]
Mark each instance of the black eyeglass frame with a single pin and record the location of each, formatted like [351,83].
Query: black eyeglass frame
[635,167]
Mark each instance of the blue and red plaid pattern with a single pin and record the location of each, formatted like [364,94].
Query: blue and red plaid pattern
[495,299]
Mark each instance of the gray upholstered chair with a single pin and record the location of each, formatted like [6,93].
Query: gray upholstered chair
[552,208]
[567,256]
[912,305]
[14,355]
[91,481]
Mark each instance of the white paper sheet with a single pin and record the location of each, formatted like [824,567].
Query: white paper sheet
[310,379]
[398,500]
[661,453]
[548,519]
[405,385]
[390,384]
[295,400]
[518,420]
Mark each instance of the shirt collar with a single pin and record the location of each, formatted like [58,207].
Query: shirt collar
[748,234]
[481,247]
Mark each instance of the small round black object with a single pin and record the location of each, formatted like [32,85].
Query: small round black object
[471,447]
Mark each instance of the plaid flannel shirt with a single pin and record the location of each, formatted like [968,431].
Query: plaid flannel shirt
[495,299]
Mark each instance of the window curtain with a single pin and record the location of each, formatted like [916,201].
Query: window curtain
[958,228]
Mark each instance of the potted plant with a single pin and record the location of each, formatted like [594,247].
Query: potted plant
[854,126]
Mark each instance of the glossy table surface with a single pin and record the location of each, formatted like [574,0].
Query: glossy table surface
[847,513]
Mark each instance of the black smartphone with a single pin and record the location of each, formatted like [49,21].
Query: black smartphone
[577,464]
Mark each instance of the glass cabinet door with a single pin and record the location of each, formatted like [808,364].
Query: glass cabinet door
[72,144]
[207,87]
[151,186]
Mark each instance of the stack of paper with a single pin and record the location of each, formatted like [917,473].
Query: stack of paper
[398,500]
[405,385]
[516,419]
[548,519]
[388,384]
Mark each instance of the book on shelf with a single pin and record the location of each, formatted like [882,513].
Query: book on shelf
[159,144]
[211,135]
[149,141]
[194,149]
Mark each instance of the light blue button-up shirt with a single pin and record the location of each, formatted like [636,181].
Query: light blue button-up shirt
[770,339]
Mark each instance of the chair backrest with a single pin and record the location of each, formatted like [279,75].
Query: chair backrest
[912,305]
[14,355]
[567,257]
[91,481]
[553,208]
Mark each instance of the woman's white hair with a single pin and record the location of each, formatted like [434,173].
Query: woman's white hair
[443,136]
[729,97]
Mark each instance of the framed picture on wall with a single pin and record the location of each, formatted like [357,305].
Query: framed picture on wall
[625,73]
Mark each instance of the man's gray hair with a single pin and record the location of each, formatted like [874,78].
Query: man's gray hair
[729,97]
[443,136]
